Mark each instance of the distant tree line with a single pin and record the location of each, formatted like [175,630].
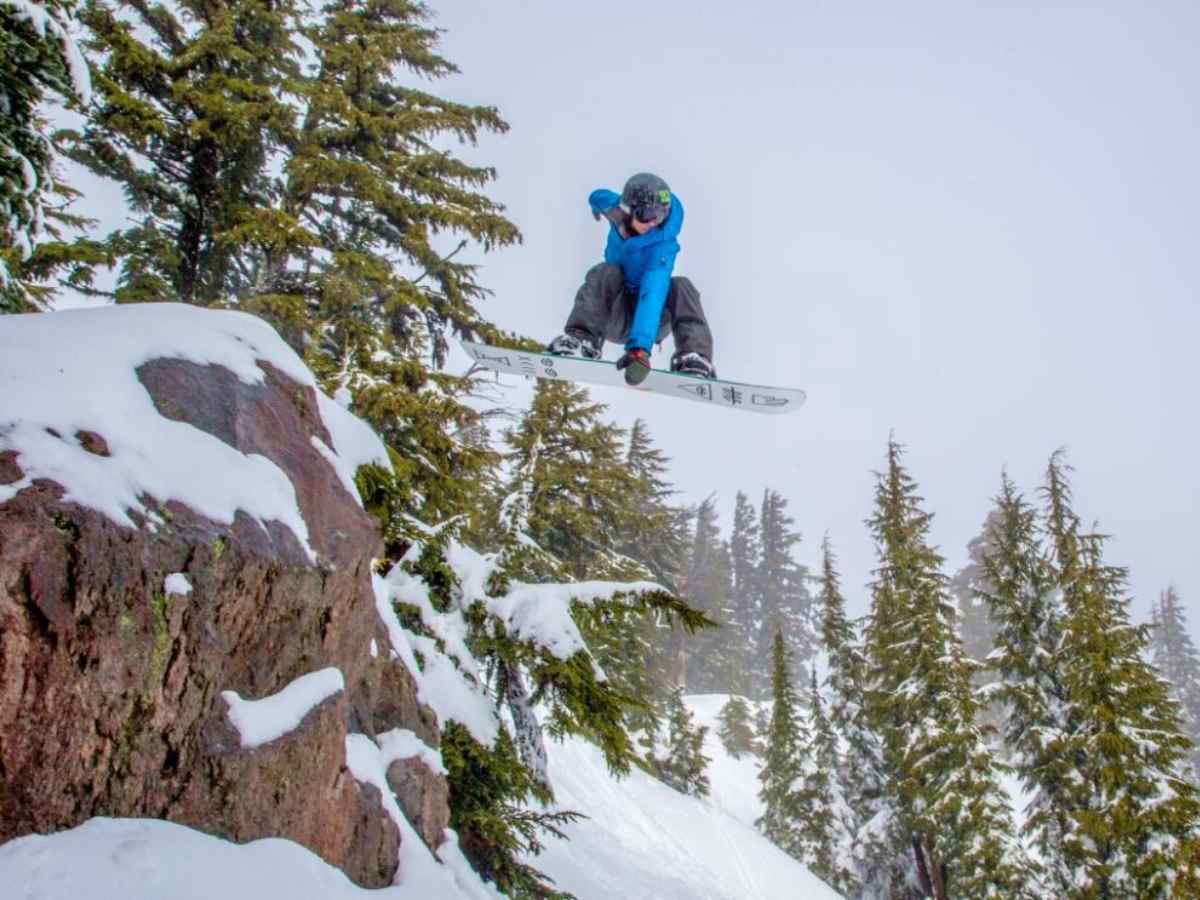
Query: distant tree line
[886,778]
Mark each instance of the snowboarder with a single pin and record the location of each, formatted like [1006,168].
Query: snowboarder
[631,297]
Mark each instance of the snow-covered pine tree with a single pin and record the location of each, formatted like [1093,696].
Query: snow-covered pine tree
[954,821]
[190,104]
[38,57]
[826,817]
[735,727]
[1129,821]
[1174,654]
[654,530]
[579,507]
[783,583]
[762,728]
[655,533]
[580,497]
[745,599]
[967,587]
[1018,586]
[709,664]
[683,764]
[782,774]
[860,778]
[976,627]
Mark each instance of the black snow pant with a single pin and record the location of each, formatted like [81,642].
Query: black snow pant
[604,309]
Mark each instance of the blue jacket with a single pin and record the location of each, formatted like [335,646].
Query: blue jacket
[647,261]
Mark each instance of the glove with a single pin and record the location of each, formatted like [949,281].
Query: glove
[636,363]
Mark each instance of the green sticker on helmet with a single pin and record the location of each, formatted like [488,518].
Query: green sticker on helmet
[665,196]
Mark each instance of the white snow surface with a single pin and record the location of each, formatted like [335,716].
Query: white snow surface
[262,721]
[178,584]
[642,839]
[71,371]
[356,444]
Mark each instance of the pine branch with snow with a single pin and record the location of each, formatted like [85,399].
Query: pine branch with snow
[38,59]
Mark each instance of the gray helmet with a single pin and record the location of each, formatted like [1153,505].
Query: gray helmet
[646,197]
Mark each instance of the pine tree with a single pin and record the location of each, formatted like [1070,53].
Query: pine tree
[684,763]
[578,513]
[189,106]
[579,500]
[711,661]
[782,582]
[745,610]
[860,769]
[1018,586]
[762,728]
[1175,656]
[953,817]
[736,727]
[782,775]
[1127,821]
[826,817]
[38,58]
[969,587]
[498,792]
[653,531]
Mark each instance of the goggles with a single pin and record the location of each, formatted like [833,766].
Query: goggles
[649,212]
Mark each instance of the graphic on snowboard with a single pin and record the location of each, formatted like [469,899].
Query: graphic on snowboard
[753,397]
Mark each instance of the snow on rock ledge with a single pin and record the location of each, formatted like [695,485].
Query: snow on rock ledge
[132,375]
[261,721]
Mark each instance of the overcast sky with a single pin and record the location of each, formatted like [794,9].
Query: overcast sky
[974,226]
[977,228]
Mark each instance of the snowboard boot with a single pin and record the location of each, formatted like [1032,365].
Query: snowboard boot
[570,345]
[636,363]
[692,364]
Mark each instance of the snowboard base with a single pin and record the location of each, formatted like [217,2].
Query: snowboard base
[713,391]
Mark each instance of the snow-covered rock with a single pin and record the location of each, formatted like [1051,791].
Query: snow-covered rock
[186,603]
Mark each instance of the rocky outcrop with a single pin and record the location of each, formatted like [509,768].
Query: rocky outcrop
[423,795]
[110,687]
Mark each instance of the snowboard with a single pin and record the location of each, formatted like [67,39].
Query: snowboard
[715,392]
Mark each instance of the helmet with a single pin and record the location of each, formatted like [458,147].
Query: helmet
[646,197]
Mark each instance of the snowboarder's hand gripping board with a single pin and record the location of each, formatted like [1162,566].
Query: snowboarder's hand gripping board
[715,392]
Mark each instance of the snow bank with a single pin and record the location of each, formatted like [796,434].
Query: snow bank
[644,839]
[66,372]
[147,859]
[262,721]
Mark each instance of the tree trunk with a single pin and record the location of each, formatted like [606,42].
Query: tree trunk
[930,873]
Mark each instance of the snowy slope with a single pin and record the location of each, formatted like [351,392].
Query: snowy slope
[645,840]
